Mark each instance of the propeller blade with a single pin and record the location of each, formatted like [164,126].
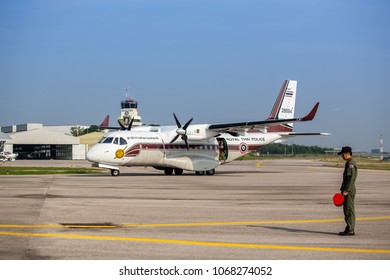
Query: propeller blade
[122,126]
[185,141]
[177,121]
[187,124]
[174,139]
[182,131]
[130,124]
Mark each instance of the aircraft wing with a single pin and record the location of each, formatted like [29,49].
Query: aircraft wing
[241,126]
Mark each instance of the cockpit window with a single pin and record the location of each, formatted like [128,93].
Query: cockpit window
[108,140]
[116,140]
[123,141]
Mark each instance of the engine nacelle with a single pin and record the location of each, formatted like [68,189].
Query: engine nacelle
[199,132]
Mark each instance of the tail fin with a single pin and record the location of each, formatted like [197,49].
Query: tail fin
[105,121]
[284,107]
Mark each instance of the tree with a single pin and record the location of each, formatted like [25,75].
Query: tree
[92,128]
[280,149]
[77,131]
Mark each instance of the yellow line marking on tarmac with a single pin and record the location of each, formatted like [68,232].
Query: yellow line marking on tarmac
[199,224]
[197,243]
[54,226]
[205,224]
[259,164]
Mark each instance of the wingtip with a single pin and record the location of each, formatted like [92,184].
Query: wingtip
[312,113]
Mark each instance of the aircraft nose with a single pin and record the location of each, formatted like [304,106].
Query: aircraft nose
[91,155]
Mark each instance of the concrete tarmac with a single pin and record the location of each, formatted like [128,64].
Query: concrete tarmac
[280,209]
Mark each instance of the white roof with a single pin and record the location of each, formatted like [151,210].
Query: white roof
[42,136]
[4,137]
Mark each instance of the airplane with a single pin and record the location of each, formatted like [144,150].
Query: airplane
[7,156]
[197,147]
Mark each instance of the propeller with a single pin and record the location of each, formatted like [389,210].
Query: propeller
[128,127]
[181,131]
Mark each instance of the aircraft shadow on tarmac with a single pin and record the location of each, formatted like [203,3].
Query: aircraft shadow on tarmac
[295,230]
[218,173]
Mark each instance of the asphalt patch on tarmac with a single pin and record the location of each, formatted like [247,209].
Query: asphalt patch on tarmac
[90,225]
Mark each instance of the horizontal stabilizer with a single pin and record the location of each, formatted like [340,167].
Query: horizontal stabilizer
[285,136]
[312,113]
[262,124]
[105,124]
[308,134]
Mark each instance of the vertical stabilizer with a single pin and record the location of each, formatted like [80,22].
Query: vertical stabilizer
[106,121]
[284,107]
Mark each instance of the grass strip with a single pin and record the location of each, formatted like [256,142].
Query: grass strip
[20,170]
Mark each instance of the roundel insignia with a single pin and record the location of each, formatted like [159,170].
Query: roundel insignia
[243,148]
[119,153]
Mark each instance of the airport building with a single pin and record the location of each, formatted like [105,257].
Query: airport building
[3,138]
[129,112]
[35,141]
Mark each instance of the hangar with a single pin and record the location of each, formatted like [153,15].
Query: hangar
[35,141]
[3,138]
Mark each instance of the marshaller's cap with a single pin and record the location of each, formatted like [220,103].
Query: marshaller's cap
[338,199]
[345,150]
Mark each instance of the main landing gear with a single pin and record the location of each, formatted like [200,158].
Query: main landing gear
[115,172]
[178,171]
[208,172]
[169,171]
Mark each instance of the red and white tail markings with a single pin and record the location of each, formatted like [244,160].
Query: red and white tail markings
[284,107]
[106,121]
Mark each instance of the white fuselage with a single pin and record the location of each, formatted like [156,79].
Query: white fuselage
[140,148]
[200,147]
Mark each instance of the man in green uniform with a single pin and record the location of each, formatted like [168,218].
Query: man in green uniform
[348,190]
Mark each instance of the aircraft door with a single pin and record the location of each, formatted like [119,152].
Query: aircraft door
[223,149]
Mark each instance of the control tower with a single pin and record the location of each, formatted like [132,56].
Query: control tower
[129,111]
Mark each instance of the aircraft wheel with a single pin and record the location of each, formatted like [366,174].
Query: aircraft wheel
[168,171]
[178,171]
[199,172]
[115,172]
[210,172]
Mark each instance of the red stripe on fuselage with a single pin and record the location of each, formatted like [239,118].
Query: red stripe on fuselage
[250,147]
[136,149]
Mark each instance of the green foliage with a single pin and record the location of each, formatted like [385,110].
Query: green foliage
[13,170]
[373,166]
[78,131]
[283,149]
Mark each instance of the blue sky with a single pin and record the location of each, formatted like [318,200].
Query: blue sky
[67,62]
